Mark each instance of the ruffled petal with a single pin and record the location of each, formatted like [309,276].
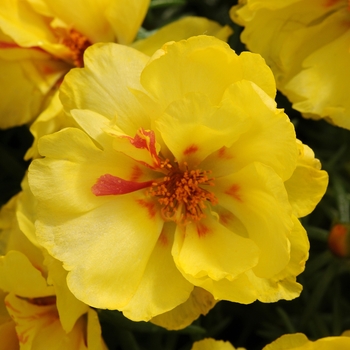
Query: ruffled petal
[201,128]
[308,183]
[212,344]
[188,60]
[118,252]
[91,87]
[269,140]
[69,308]
[209,249]
[126,18]
[181,29]
[19,276]
[256,195]
[91,21]
[162,284]
[199,303]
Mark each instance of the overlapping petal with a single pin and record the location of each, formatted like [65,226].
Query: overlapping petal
[309,56]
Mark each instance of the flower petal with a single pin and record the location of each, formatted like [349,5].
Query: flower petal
[188,60]
[126,18]
[201,128]
[269,140]
[85,88]
[18,275]
[199,303]
[162,284]
[105,262]
[308,183]
[210,249]
[256,195]
[69,307]
[181,29]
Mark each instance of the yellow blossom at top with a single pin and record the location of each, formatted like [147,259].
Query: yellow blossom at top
[184,174]
[299,341]
[306,44]
[40,40]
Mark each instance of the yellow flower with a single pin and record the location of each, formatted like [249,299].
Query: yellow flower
[211,344]
[178,178]
[299,341]
[41,40]
[306,44]
[33,291]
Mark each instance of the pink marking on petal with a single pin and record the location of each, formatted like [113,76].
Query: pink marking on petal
[136,173]
[330,3]
[149,205]
[222,153]
[10,307]
[232,191]
[190,149]
[163,239]
[202,230]
[226,217]
[146,139]
[112,185]
[22,337]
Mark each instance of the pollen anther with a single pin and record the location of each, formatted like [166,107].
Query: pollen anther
[181,193]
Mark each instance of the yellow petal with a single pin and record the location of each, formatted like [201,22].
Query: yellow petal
[91,21]
[307,184]
[211,344]
[188,60]
[201,128]
[25,26]
[85,88]
[94,339]
[162,287]
[19,276]
[299,341]
[257,197]
[126,18]
[199,303]
[182,29]
[8,336]
[38,326]
[82,164]
[269,140]
[52,119]
[321,85]
[118,253]
[210,249]
[69,308]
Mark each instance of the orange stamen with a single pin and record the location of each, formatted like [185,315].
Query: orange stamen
[181,194]
[77,43]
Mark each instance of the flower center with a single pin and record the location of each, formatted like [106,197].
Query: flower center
[77,43]
[181,193]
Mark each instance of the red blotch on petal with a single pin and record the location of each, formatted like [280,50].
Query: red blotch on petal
[163,240]
[330,3]
[149,205]
[23,338]
[190,149]
[202,230]
[226,217]
[136,173]
[233,192]
[112,185]
[222,153]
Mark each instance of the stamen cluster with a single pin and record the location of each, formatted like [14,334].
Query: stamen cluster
[181,195]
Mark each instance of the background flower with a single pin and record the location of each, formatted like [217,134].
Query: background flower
[307,46]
